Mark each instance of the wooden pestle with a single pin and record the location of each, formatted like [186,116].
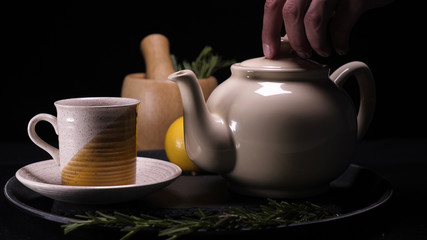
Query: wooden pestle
[156,53]
[160,98]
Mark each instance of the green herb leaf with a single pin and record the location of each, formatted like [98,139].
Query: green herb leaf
[205,65]
[270,215]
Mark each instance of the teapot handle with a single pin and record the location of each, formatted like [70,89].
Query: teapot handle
[366,84]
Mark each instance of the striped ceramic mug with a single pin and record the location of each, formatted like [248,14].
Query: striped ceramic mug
[97,140]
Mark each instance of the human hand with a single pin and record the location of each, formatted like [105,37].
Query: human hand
[318,25]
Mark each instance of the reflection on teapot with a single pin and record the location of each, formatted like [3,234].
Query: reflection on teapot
[281,128]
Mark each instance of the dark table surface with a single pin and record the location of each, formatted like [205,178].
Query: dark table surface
[403,162]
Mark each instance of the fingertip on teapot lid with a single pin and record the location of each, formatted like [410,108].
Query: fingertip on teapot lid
[285,64]
[288,61]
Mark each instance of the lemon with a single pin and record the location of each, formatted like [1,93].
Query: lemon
[175,146]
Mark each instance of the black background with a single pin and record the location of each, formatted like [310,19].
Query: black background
[51,52]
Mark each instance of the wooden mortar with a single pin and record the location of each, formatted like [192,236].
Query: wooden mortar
[160,98]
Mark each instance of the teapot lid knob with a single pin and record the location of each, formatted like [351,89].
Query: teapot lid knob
[285,48]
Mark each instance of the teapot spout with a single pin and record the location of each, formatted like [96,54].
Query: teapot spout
[208,140]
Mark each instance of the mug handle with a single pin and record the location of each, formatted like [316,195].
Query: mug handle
[366,83]
[53,151]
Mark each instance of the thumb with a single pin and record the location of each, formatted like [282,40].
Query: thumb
[342,23]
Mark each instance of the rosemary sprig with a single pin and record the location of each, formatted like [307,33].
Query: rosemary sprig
[205,64]
[273,214]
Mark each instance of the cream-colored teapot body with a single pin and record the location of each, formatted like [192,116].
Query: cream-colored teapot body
[277,128]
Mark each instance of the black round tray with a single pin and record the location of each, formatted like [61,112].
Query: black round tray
[357,191]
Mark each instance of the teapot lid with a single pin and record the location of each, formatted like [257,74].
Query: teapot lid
[288,61]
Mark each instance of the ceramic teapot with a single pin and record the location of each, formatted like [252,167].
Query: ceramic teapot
[281,128]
